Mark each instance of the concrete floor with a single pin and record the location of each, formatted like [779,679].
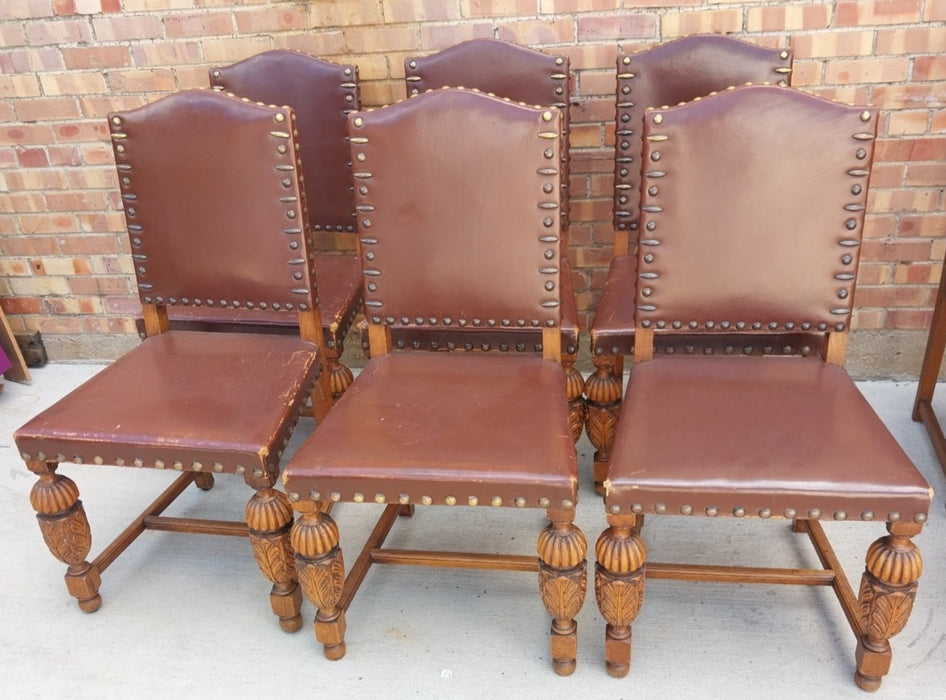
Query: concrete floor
[189,615]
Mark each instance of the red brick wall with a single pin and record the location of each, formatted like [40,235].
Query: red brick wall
[65,270]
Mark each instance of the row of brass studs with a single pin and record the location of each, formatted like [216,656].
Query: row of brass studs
[405,499]
[765,513]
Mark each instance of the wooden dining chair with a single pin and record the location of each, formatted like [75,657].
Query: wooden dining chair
[535,78]
[753,203]
[214,210]
[321,94]
[677,71]
[456,187]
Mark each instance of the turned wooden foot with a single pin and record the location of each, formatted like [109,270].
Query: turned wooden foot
[619,587]
[574,390]
[340,377]
[321,571]
[602,406]
[269,518]
[204,481]
[65,528]
[563,580]
[888,588]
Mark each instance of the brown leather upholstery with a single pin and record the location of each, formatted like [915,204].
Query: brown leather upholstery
[765,437]
[752,211]
[172,263]
[520,74]
[420,448]
[674,72]
[422,277]
[321,94]
[183,400]
[459,198]
[215,217]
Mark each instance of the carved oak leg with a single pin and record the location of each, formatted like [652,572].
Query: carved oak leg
[603,403]
[574,389]
[55,498]
[888,588]
[563,579]
[321,570]
[269,518]
[340,377]
[619,587]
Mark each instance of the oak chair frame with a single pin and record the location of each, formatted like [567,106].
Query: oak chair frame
[268,515]
[893,563]
[560,563]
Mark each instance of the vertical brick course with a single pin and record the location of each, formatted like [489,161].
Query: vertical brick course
[65,63]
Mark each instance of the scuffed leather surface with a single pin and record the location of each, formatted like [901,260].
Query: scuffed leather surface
[757,433]
[438,425]
[183,396]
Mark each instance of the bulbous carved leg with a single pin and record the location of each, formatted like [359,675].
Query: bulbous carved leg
[619,587]
[340,377]
[321,570]
[888,588]
[574,389]
[603,403]
[65,528]
[563,579]
[269,518]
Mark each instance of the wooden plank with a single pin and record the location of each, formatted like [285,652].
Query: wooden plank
[739,574]
[455,560]
[18,372]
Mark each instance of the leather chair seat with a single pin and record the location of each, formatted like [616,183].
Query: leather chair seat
[414,427]
[339,280]
[687,446]
[181,399]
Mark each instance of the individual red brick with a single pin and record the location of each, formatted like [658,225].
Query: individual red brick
[625,26]
[923,225]
[893,250]
[834,44]
[857,13]
[47,109]
[536,33]
[889,296]
[930,67]
[128,27]
[270,19]
[868,319]
[21,305]
[96,57]
[910,40]
[381,39]
[198,24]
[497,8]
[788,17]
[918,273]
[170,53]
[151,80]
[563,7]
[419,10]
[935,11]
[911,319]
[435,37]
[709,21]
[64,8]
[71,31]
[867,70]
[344,13]
[32,157]
[19,86]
